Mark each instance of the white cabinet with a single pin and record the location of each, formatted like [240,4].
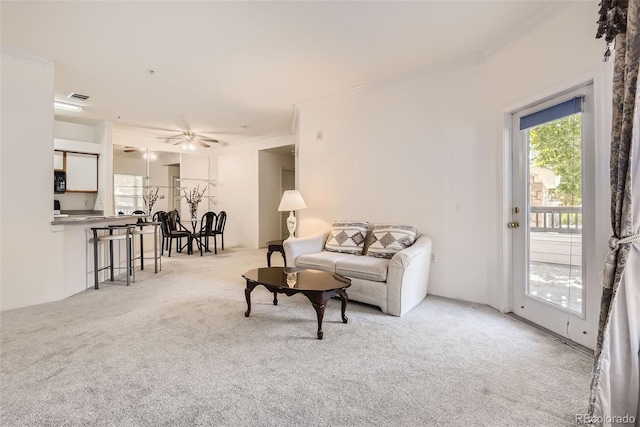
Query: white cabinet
[82,172]
[58,160]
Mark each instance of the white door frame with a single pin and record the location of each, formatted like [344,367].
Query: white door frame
[547,315]
[602,83]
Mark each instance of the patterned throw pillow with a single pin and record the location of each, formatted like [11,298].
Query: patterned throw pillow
[347,237]
[386,239]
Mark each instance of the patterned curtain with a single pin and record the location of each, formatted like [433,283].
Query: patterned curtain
[615,388]
[612,21]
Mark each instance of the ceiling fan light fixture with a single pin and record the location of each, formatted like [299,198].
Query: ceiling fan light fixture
[188,140]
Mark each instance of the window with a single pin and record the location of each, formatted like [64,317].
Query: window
[127,193]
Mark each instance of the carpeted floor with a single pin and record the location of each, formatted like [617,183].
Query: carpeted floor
[175,349]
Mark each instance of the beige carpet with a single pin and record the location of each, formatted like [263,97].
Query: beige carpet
[175,349]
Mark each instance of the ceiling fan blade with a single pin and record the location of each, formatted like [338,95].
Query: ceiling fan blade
[130,149]
[177,143]
[171,137]
[202,143]
[220,132]
[215,141]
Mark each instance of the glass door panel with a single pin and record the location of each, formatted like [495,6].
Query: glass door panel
[555,213]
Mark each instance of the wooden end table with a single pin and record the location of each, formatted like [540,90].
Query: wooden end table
[317,286]
[275,246]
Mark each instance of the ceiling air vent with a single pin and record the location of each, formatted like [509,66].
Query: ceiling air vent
[79,96]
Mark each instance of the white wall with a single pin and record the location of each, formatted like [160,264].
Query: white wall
[238,188]
[270,167]
[76,201]
[405,153]
[31,269]
[73,131]
[103,134]
[428,151]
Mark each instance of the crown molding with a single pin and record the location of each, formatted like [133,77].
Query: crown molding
[429,70]
[259,138]
[294,119]
[25,55]
[549,11]
[254,142]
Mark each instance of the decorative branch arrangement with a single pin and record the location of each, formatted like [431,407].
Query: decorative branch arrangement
[193,198]
[150,199]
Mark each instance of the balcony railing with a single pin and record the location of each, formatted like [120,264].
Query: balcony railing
[556,219]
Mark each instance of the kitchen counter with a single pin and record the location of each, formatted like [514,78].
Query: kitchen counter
[76,243]
[90,219]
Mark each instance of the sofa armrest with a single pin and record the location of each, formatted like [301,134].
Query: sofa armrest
[408,276]
[293,248]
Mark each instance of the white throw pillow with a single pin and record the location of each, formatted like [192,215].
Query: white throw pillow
[347,237]
[387,239]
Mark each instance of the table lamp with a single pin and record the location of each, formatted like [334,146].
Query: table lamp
[291,201]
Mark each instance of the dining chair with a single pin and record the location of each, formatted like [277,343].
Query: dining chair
[219,230]
[206,229]
[157,217]
[175,230]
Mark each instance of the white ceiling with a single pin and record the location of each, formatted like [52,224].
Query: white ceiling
[222,65]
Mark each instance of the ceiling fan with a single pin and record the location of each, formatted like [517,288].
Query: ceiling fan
[128,149]
[151,155]
[188,139]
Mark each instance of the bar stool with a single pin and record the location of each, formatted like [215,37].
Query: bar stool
[141,229]
[110,234]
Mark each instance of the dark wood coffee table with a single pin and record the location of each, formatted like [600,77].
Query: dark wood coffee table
[316,285]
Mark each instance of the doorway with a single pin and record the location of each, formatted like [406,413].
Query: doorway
[276,171]
[553,149]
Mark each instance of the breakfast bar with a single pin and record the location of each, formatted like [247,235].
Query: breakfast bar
[77,248]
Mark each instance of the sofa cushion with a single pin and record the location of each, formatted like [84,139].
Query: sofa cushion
[347,237]
[387,239]
[362,267]
[324,260]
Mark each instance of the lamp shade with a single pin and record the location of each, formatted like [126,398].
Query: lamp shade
[291,201]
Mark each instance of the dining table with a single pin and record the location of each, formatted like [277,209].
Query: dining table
[195,225]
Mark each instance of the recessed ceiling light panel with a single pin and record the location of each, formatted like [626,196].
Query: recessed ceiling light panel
[66,106]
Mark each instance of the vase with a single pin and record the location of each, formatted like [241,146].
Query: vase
[194,210]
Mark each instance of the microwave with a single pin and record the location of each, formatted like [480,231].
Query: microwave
[59,182]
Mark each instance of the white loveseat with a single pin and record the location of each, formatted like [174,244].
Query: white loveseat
[395,285]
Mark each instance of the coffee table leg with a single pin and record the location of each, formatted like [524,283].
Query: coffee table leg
[320,312]
[275,298]
[247,295]
[345,299]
